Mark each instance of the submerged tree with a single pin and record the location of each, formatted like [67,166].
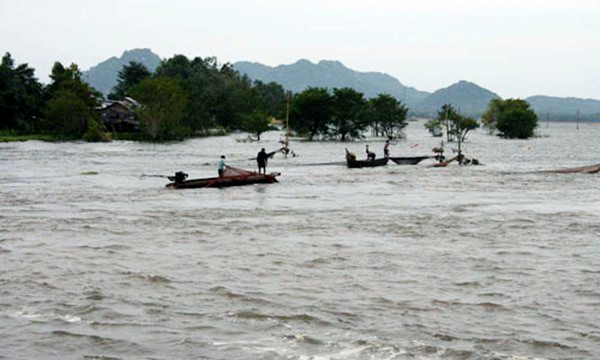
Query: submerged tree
[311,112]
[256,123]
[388,115]
[349,114]
[512,118]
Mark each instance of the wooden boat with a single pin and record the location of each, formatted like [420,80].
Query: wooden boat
[590,169]
[366,163]
[353,163]
[232,177]
[409,160]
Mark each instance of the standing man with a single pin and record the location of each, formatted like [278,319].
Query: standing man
[386,149]
[221,166]
[261,160]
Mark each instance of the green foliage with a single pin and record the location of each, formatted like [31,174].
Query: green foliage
[457,126]
[492,114]
[163,106]
[435,127]
[349,114]
[218,95]
[67,114]
[388,115]
[20,97]
[512,118]
[96,132]
[311,112]
[271,98]
[71,103]
[256,123]
[129,76]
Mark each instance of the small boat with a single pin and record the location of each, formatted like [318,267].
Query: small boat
[409,160]
[366,163]
[231,177]
[353,163]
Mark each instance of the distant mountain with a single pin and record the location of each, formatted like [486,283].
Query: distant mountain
[471,99]
[467,97]
[331,74]
[103,77]
[554,108]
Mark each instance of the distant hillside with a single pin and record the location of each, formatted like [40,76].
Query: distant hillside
[554,108]
[103,77]
[469,98]
[331,74]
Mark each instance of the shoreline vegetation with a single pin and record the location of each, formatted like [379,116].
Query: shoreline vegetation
[187,98]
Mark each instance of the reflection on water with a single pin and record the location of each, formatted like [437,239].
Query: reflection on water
[398,262]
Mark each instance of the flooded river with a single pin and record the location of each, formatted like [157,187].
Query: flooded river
[397,262]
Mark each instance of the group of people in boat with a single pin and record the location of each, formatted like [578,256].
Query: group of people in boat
[371,155]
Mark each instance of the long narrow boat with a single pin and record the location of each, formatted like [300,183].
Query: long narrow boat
[366,163]
[409,160]
[232,177]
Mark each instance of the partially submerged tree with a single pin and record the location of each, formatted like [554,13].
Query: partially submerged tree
[388,115]
[349,115]
[311,112]
[512,118]
[256,123]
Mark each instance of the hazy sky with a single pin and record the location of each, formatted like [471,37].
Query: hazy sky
[515,48]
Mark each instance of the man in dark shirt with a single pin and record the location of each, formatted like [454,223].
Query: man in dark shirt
[261,160]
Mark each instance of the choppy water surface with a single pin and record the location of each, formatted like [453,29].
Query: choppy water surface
[400,262]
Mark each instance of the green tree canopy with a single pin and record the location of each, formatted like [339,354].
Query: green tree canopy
[163,106]
[271,98]
[21,99]
[311,112]
[349,114]
[71,102]
[256,123]
[129,76]
[512,118]
[388,114]
[67,114]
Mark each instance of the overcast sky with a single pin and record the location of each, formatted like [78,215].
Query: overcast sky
[514,48]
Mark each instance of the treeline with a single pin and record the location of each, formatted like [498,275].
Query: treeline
[183,98]
[345,114]
[195,97]
[63,109]
[190,97]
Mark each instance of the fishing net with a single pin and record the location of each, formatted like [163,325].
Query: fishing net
[229,171]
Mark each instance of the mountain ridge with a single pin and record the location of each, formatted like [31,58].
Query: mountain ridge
[468,97]
[103,76]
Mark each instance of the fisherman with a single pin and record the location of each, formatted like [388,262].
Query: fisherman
[261,160]
[350,156]
[386,149]
[370,154]
[221,166]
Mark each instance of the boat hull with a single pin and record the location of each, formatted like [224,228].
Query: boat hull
[409,160]
[366,163]
[225,181]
